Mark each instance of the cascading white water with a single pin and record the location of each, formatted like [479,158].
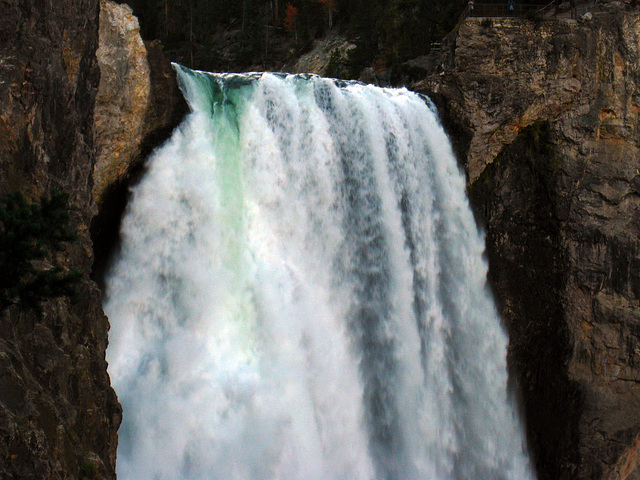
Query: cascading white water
[301,294]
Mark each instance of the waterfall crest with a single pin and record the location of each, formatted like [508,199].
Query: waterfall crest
[301,294]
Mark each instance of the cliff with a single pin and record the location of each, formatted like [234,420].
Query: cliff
[83,102]
[544,116]
[138,104]
[58,413]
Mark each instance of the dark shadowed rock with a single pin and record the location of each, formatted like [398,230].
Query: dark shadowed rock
[58,413]
[545,119]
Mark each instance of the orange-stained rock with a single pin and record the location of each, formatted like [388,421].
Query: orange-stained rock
[123,96]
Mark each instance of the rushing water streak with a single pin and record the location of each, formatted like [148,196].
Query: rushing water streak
[301,294]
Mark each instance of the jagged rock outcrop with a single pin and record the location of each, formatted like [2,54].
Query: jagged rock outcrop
[137,106]
[137,99]
[123,95]
[326,57]
[58,413]
[545,118]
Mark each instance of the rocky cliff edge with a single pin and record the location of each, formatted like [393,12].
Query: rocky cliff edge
[544,116]
[58,413]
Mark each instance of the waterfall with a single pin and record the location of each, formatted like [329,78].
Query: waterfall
[301,294]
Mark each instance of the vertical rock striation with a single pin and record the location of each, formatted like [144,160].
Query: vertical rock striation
[58,413]
[545,115]
[138,102]
[123,95]
[137,106]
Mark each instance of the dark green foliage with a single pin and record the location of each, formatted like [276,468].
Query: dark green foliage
[337,67]
[30,235]
[88,470]
[225,35]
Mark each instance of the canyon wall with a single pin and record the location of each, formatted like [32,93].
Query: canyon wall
[138,105]
[544,116]
[83,102]
[58,413]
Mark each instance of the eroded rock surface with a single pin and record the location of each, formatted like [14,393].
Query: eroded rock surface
[123,96]
[58,413]
[137,98]
[333,48]
[137,106]
[545,116]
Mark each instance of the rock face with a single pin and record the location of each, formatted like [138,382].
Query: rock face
[58,413]
[333,48]
[137,106]
[123,96]
[545,119]
[131,112]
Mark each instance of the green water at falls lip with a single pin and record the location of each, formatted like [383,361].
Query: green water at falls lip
[301,294]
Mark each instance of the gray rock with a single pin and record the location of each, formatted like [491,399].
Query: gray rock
[545,120]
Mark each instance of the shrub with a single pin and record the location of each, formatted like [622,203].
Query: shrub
[30,235]
[336,67]
[88,470]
